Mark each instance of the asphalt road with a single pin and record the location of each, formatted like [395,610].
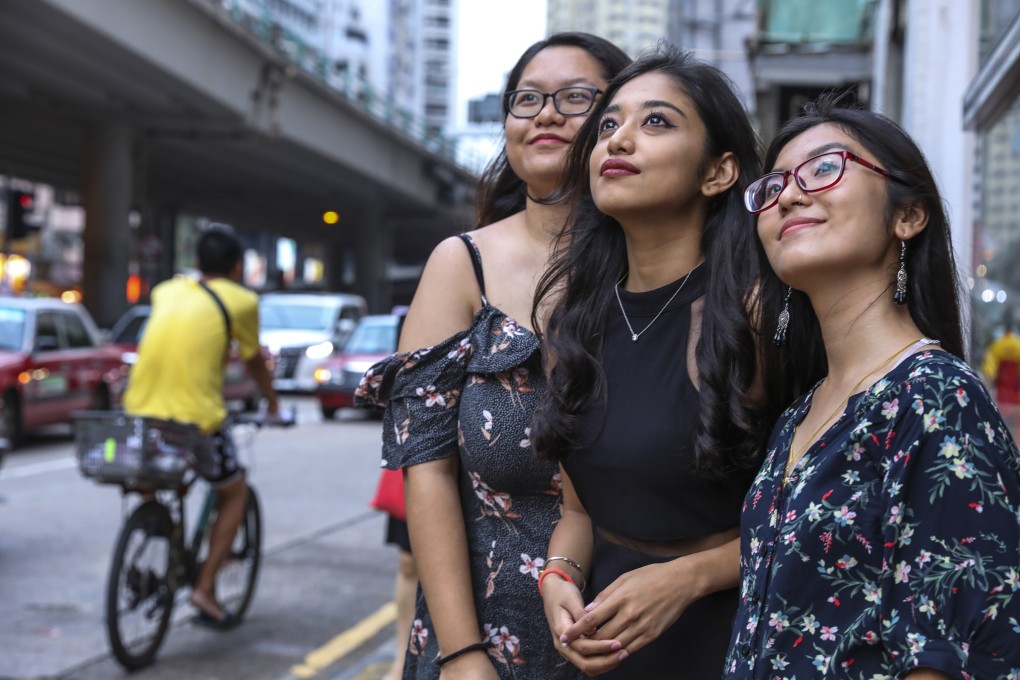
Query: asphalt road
[321,605]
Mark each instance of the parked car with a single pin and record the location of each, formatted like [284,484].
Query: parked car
[374,339]
[302,329]
[53,362]
[238,385]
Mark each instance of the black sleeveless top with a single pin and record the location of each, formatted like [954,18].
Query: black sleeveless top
[634,471]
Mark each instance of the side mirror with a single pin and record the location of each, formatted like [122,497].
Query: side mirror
[345,327]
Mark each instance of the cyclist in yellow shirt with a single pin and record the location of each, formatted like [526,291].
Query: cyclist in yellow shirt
[179,376]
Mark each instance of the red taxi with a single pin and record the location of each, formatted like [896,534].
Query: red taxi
[374,339]
[53,362]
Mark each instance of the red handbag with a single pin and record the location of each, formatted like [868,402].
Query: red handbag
[389,495]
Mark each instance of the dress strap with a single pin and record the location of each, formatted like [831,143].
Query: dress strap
[476,262]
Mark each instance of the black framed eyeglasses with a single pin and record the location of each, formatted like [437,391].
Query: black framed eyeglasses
[815,174]
[569,101]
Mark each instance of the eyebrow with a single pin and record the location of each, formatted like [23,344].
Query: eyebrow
[650,104]
[531,84]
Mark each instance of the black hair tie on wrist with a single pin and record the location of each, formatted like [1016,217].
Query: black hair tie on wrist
[477,646]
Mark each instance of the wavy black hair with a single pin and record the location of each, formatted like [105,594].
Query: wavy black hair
[933,287]
[591,257]
[500,190]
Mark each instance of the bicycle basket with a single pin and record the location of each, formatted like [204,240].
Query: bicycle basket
[135,451]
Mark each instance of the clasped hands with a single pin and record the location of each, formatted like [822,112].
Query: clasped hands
[631,612]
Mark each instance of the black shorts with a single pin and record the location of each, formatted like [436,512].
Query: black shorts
[397,534]
[228,467]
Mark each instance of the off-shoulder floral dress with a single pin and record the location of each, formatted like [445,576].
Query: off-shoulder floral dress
[895,542]
[472,395]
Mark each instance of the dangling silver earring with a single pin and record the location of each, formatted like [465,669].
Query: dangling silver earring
[784,319]
[900,296]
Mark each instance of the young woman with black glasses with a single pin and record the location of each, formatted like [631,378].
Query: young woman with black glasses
[460,394]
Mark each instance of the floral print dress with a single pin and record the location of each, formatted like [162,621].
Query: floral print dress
[895,542]
[472,396]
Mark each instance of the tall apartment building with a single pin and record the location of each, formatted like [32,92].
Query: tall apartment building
[717,31]
[419,50]
[633,25]
[327,38]
[396,56]
[991,108]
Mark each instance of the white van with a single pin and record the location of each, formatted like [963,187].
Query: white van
[302,329]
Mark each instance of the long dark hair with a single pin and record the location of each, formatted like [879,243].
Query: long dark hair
[592,256]
[500,191]
[932,284]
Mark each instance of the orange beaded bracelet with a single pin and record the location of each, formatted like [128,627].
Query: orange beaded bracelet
[559,572]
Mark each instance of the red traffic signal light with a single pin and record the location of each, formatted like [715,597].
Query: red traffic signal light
[20,204]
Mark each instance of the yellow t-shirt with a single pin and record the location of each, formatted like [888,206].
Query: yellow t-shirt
[179,371]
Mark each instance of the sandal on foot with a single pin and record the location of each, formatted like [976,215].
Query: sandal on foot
[209,621]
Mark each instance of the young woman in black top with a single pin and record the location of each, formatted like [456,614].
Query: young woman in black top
[651,406]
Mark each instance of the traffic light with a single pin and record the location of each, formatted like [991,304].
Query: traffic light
[20,205]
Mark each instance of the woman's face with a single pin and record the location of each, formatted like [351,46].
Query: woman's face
[536,147]
[649,151]
[841,231]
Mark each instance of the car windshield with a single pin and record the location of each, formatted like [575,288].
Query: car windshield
[289,316]
[131,333]
[373,338]
[12,328]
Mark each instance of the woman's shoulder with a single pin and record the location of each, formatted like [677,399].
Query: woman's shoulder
[931,377]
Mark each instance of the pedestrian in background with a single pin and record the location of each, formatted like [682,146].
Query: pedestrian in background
[880,537]
[389,498]
[1001,367]
[651,405]
[460,394]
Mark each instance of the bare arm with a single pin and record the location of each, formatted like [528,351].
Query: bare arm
[563,602]
[444,305]
[260,373]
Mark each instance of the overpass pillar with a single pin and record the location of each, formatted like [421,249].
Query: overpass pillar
[373,250]
[107,190]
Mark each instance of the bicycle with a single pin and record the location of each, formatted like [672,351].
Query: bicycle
[152,558]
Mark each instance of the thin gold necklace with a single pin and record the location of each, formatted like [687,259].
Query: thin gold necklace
[794,458]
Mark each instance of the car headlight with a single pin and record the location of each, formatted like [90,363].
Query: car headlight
[322,375]
[320,351]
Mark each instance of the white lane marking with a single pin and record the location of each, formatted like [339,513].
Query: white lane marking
[33,469]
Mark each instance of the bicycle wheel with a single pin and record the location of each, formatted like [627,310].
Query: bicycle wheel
[235,582]
[140,589]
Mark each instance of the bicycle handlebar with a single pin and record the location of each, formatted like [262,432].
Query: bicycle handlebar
[283,418]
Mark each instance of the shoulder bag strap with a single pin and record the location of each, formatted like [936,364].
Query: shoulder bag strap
[223,310]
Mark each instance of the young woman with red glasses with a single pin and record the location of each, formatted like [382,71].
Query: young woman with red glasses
[880,537]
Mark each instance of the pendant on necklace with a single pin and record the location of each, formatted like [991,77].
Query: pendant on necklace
[634,337]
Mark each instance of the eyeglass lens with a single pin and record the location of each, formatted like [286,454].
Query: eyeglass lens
[814,174]
[569,101]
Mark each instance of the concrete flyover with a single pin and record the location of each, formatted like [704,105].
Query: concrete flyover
[171,106]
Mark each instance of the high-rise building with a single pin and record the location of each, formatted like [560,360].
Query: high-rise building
[420,52]
[717,31]
[633,25]
[991,108]
[327,38]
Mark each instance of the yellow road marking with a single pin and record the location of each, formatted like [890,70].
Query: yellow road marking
[346,642]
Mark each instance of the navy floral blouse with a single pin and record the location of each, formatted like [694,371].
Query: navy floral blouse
[895,544]
[472,396]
